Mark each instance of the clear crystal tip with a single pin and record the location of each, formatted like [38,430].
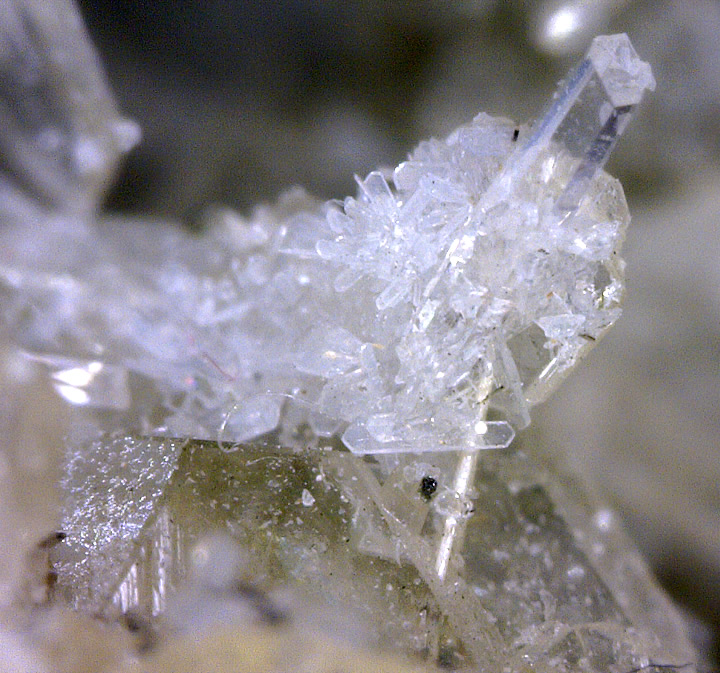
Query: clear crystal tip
[580,127]
[612,85]
[623,75]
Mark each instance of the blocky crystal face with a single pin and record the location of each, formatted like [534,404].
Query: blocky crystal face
[357,550]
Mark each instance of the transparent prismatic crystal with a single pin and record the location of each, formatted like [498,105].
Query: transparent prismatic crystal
[425,314]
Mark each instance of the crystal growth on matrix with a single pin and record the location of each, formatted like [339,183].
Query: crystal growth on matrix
[427,313]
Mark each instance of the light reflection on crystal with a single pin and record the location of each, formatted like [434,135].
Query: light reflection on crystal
[396,304]
[416,323]
[91,384]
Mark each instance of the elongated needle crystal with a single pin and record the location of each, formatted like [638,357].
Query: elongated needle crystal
[584,119]
[569,144]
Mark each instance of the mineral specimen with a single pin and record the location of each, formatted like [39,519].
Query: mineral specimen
[397,318]
[316,384]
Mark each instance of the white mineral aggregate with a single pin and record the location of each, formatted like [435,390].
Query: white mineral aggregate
[425,315]
[465,282]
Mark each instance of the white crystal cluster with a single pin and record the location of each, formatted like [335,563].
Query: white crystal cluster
[425,314]
[467,307]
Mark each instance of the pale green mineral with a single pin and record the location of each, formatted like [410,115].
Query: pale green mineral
[541,578]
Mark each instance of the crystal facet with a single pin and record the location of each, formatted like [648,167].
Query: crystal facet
[537,579]
[413,324]
[462,284]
